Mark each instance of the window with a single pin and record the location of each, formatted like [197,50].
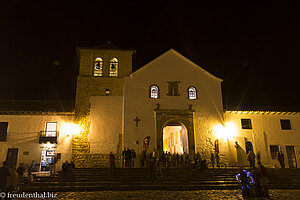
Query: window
[274,150]
[98,67]
[192,93]
[173,88]
[3,131]
[113,67]
[246,124]
[51,129]
[154,92]
[285,124]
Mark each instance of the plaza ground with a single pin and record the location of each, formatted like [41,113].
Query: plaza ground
[158,194]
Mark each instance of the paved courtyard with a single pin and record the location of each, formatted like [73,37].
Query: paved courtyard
[164,195]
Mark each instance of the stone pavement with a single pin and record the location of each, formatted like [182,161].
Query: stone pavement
[168,195]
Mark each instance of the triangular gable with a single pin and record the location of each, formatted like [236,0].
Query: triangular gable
[180,56]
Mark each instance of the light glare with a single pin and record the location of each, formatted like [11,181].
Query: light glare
[228,131]
[70,129]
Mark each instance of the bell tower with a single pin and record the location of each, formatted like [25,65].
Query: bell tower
[101,73]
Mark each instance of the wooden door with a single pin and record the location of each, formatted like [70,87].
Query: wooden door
[290,151]
[12,156]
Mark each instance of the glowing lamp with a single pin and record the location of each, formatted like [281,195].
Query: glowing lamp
[70,129]
[48,145]
[227,131]
[107,92]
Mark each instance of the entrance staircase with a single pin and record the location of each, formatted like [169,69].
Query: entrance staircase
[96,179]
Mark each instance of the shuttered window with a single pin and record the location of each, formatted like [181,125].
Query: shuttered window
[3,131]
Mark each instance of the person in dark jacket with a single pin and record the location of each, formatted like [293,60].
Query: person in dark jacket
[20,171]
[65,168]
[4,173]
[133,157]
[280,158]
[72,164]
[71,168]
[112,162]
[143,158]
[263,179]
[244,181]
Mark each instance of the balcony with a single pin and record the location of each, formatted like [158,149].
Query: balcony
[48,136]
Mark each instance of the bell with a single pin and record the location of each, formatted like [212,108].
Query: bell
[113,67]
[98,65]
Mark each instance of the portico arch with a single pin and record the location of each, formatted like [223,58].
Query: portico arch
[175,138]
[164,117]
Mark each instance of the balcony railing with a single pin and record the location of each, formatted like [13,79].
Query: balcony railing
[48,136]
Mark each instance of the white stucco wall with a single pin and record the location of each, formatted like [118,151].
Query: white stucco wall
[170,67]
[106,123]
[23,133]
[266,130]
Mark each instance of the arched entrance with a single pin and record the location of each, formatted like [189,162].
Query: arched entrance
[184,119]
[175,138]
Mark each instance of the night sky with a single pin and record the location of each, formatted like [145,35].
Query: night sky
[253,47]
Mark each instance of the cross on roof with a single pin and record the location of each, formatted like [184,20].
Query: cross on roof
[137,121]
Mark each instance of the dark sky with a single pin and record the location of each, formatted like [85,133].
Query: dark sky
[253,47]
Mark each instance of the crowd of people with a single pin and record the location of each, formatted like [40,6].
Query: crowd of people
[166,159]
[128,156]
[252,158]
[14,179]
[253,182]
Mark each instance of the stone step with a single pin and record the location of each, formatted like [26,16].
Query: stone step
[47,184]
[146,186]
[173,179]
[167,170]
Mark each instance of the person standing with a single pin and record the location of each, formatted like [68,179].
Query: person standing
[124,157]
[244,181]
[263,179]
[217,157]
[143,158]
[212,160]
[251,159]
[12,179]
[32,166]
[65,169]
[112,163]
[71,168]
[280,158]
[129,158]
[133,157]
[72,164]
[154,155]
[20,171]
[4,173]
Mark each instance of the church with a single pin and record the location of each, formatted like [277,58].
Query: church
[170,104]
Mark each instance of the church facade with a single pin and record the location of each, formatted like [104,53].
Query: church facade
[171,104]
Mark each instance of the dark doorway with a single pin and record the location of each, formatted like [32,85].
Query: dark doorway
[249,147]
[290,151]
[12,156]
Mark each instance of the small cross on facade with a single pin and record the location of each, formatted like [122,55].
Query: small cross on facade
[137,121]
